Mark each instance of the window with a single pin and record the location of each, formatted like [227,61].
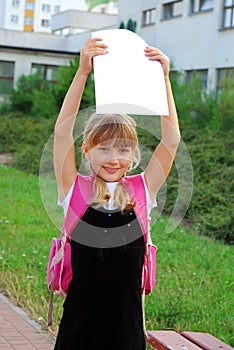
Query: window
[201,73]
[56,8]
[14,19]
[6,77]
[45,7]
[148,17]
[49,72]
[222,74]
[206,5]
[172,9]
[201,5]
[28,21]
[228,14]
[45,22]
[29,5]
[15,3]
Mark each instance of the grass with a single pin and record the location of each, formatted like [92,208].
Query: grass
[194,288]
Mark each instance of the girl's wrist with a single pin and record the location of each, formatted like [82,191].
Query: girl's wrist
[167,79]
[81,74]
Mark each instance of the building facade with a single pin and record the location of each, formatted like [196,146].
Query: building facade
[34,15]
[197,35]
[25,52]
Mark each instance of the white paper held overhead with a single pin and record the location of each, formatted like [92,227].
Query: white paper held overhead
[125,80]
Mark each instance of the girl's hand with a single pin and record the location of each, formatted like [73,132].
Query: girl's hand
[93,47]
[156,55]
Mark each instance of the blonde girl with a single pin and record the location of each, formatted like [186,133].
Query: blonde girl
[103,307]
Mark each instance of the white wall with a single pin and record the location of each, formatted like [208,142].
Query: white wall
[24,59]
[64,5]
[7,11]
[82,20]
[191,41]
[27,48]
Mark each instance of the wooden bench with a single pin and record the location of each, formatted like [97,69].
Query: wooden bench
[170,340]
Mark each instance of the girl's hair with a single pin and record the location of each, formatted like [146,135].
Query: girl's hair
[105,128]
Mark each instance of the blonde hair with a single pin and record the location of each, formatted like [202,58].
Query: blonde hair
[122,129]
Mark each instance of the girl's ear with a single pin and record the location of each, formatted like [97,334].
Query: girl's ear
[85,149]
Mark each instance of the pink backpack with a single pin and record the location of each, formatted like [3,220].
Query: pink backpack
[59,270]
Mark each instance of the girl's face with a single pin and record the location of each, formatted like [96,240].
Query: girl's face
[108,160]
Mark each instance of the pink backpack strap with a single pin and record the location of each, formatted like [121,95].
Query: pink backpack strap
[79,202]
[135,187]
[83,191]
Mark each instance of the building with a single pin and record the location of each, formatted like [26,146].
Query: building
[34,15]
[197,35]
[23,52]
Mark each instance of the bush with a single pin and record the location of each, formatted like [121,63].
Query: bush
[211,208]
[198,108]
[33,95]
[25,137]
[64,78]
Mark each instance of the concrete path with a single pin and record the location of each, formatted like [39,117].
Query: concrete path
[18,331]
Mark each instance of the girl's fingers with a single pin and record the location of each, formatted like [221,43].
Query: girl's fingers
[96,42]
[154,54]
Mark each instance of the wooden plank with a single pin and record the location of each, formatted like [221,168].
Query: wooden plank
[206,341]
[169,340]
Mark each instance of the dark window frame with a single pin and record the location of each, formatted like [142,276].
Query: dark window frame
[197,72]
[225,9]
[228,73]
[193,9]
[7,77]
[44,68]
[170,6]
[151,13]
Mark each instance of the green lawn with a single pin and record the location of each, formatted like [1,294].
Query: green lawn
[194,289]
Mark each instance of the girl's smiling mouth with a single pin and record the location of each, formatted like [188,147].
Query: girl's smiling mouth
[110,170]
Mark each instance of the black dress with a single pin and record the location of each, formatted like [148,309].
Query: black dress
[103,308]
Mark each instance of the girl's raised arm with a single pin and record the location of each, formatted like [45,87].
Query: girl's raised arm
[64,152]
[161,162]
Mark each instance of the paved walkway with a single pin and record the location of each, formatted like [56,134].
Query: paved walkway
[18,331]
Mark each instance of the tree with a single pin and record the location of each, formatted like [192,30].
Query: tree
[64,78]
[33,95]
[131,25]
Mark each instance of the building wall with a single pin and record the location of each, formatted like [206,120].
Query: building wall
[192,41]
[12,17]
[23,50]
[34,15]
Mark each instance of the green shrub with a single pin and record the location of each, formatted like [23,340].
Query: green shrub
[25,137]
[198,108]
[211,208]
[33,95]
[64,78]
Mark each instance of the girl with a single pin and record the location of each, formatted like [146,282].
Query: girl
[103,307]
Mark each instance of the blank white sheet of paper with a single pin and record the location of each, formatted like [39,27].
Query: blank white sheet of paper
[125,80]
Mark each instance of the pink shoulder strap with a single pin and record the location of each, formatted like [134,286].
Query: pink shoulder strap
[79,202]
[135,187]
[82,193]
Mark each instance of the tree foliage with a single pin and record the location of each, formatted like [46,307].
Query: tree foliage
[33,96]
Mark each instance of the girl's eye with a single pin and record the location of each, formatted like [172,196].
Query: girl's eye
[103,149]
[124,150]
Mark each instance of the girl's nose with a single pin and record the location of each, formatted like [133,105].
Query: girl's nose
[113,160]
[113,157]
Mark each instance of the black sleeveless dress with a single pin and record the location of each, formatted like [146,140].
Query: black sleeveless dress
[103,308]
